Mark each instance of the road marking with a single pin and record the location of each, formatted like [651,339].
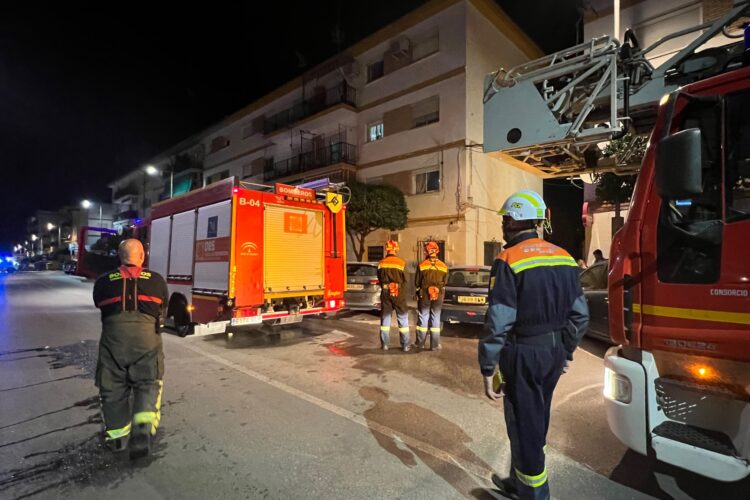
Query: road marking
[573,394]
[473,469]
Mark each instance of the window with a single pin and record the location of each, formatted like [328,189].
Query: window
[375,70]
[427,182]
[217,177]
[737,175]
[218,143]
[367,270]
[375,253]
[595,277]
[375,131]
[689,233]
[469,278]
[426,111]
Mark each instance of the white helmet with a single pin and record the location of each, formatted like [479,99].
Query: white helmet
[524,205]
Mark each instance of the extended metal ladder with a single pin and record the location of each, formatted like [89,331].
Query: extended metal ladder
[551,113]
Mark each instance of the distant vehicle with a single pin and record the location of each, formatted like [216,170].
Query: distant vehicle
[362,286]
[466,294]
[594,284]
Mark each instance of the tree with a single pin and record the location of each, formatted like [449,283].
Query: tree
[371,208]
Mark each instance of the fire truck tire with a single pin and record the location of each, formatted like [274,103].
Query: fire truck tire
[177,310]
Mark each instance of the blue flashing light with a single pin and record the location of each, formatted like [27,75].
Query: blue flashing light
[138,221]
[683,203]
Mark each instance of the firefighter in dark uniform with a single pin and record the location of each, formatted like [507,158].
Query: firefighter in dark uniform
[429,281]
[393,296]
[132,301]
[537,316]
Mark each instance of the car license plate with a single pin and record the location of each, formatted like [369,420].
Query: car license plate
[247,320]
[292,318]
[355,287]
[471,300]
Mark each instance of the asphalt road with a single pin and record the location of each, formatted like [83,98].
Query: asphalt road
[316,411]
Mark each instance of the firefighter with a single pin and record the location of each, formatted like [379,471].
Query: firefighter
[131,300]
[429,283]
[393,296]
[537,315]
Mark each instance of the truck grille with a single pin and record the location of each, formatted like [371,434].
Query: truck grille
[674,408]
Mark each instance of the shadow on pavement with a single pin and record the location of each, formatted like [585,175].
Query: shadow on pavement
[648,475]
[428,427]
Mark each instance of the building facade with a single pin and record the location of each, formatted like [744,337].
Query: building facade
[401,107]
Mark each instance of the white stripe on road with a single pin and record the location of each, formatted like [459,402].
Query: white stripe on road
[573,394]
[473,469]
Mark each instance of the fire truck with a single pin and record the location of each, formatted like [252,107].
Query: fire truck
[677,385]
[237,257]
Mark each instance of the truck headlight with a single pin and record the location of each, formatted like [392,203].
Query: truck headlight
[617,387]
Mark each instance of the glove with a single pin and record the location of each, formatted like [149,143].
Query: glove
[493,386]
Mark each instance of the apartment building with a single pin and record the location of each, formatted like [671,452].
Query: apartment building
[402,107]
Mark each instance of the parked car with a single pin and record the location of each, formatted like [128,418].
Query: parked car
[466,294]
[69,267]
[594,284]
[362,286]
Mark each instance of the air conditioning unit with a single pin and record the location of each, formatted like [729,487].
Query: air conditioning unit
[401,47]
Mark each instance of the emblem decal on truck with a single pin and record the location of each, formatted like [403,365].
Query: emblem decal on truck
[249,249]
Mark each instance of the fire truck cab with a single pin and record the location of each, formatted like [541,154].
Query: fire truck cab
[679,383]
[237,257]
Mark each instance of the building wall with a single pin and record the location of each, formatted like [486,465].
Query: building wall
[653,20]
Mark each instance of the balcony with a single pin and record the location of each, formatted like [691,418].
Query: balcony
[320,100]
[331,154]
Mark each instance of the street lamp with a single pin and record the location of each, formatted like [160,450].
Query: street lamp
[153,171]
[50,227]
[87,204]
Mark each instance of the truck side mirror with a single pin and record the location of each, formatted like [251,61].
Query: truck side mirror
[679,164]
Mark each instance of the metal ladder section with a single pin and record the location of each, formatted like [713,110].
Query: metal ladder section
[550,113]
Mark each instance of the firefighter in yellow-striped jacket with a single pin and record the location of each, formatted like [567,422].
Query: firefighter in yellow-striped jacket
[430,280]
[393,296]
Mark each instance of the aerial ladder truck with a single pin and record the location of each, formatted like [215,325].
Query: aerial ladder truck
[677,385]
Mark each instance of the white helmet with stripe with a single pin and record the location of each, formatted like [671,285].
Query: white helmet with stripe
[524,205]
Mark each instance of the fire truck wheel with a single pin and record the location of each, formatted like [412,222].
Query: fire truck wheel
[178,312]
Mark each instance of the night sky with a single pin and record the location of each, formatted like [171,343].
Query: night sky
[90,93]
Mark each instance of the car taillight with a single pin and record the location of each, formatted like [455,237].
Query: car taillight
[333,303]
[373,282]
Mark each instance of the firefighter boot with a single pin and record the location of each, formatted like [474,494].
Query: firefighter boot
[117,445]
[140,442]
[507,486]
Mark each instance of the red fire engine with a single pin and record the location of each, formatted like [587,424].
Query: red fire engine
[677,386]
[235,257]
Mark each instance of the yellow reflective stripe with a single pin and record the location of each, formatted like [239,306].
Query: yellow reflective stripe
[435,330]
[427,267]
[404,329]
[533,481]
[693,314]
[391,266]
[542,262]
[529,198]
[421,328]
[117,433]
[385,328]
[541,258]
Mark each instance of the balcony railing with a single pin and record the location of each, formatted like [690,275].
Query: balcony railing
[340,152]
[340,94]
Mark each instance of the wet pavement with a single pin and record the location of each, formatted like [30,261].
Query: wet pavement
[315,411]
